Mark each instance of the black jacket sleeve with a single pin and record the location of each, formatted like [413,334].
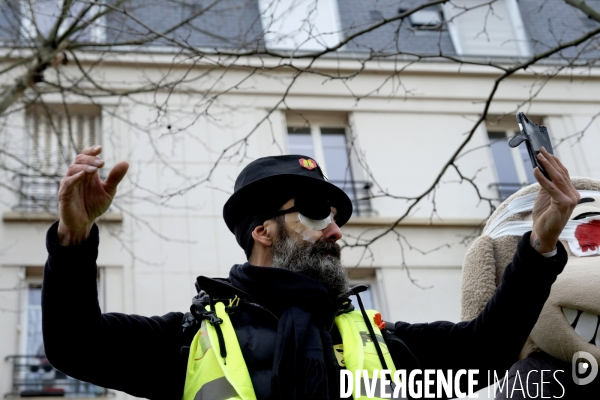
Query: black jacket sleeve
[494,339]
[131,353]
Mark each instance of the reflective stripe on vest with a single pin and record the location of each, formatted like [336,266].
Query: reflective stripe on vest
[209,377]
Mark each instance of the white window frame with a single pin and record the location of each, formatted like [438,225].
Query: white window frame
[24,317]
[97,30]
[317,139]
[516,23]
[25,286]
[376,287]
[373,288]
[518,160]
[422,14]
[317,120]
[271,12]
[516,157]
[519,27]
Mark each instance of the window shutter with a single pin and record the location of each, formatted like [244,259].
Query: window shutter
[56,136]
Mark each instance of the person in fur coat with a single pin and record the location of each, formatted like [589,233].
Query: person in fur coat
[561,356]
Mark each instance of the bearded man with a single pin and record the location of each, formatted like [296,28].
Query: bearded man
[281,325]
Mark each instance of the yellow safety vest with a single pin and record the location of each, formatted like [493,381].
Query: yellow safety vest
[209,377]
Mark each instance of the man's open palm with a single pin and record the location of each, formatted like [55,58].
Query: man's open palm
[83,197]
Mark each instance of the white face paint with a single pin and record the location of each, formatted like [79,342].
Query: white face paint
[309,229]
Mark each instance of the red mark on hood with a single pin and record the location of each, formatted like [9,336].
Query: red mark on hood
[588,235]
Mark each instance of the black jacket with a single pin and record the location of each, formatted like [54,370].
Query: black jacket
[142,355]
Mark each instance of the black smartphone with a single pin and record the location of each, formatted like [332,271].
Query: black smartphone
[535,137]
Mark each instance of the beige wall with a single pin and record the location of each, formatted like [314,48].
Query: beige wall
[405,139]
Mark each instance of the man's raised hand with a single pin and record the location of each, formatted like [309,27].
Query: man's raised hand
[554,203]
[83,197]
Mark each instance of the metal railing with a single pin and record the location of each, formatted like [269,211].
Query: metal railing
[38,193]
[33,376]
[359,193]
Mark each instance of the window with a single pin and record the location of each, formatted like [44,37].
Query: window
[513,167]
[375,15]
[367,296]
[306,25]
[10,15]
[371,298]
[40,16]
[33,375]
[327,144]
[482,29]
[427,18]
[56,135]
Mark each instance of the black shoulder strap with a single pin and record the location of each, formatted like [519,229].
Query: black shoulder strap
[391,337]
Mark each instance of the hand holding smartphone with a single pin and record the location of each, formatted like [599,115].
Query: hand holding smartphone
[535,137]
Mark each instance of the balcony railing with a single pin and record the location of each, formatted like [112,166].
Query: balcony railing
[359,193]
[33,376]
[38,194]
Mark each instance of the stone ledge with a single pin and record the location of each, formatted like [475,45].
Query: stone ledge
[15,216]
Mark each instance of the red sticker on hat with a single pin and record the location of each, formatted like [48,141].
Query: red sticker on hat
[308,164]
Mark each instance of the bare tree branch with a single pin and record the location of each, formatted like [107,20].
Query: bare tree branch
[583,6]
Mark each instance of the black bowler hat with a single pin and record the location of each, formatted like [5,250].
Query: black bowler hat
[267,183]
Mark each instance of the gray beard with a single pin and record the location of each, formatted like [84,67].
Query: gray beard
[320,261]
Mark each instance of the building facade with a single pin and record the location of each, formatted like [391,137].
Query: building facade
[383,135]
